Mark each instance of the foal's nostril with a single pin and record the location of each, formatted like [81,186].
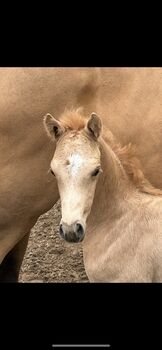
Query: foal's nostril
[79,230]
[61,231]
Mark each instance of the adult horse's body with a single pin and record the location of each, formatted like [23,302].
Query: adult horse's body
[130,100]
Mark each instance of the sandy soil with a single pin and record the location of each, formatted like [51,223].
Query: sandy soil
[48,257]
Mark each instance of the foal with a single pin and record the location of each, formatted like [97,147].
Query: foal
[104,192]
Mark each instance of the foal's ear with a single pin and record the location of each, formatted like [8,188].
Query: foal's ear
[53,126]
[94,125]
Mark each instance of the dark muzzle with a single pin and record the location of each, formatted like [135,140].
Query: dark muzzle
[72,233]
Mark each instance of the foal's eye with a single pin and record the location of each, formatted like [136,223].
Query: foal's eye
[52,172]
[95,172]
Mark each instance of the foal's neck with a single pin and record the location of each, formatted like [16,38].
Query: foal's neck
[113,189]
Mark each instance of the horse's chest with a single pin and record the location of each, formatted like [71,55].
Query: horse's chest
[101,263]
[103,267]
[107,262]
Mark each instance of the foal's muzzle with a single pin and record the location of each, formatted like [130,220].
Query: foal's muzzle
[72,233]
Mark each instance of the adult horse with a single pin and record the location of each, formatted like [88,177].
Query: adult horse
[130,100]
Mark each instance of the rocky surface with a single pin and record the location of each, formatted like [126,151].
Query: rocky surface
[48,257]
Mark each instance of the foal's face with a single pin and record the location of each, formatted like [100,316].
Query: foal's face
[76,166]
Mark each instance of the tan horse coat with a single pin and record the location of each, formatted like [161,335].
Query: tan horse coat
[123,242]
[130,101]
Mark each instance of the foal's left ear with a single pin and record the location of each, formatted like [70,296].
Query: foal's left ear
[94,126]
[53,127]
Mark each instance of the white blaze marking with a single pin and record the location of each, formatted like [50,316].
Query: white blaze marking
[76,161]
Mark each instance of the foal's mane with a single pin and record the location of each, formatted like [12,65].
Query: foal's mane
[73,120]
[132,165]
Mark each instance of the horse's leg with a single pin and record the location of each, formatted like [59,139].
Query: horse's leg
[10,266]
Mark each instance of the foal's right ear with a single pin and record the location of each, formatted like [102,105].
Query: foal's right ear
[53,126]
[94,126]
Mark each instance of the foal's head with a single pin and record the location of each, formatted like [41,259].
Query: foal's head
[76,166]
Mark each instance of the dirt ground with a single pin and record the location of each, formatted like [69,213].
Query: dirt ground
[48,257]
